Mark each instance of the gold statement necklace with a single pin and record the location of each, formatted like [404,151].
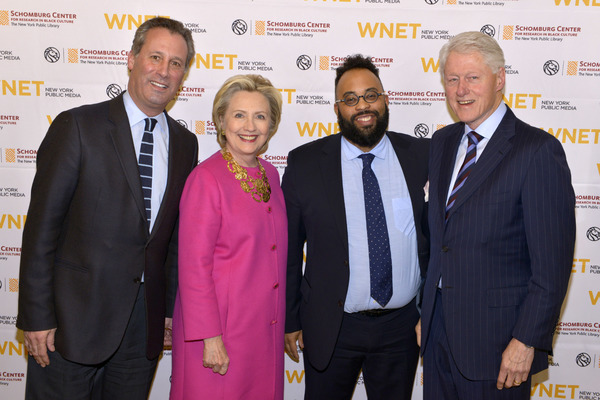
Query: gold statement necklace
[259,188]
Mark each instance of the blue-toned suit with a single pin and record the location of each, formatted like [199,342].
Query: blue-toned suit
[505,252]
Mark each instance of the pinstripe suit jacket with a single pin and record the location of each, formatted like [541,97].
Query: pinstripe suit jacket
[505,253]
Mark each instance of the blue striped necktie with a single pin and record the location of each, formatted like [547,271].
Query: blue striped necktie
[145,165]
[380,256]
[465,169]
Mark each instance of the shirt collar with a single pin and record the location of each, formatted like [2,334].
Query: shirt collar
[489,126]
[135,115]
[379,151]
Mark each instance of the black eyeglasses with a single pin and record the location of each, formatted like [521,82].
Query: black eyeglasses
[352,99]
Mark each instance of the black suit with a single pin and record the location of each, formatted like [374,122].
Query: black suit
[86,241]
[313,189]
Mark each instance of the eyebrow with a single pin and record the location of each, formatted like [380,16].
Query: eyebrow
[249,112]
[366,90]
[162,53]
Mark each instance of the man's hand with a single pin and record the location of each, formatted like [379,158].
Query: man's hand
[38,343]
[418,332]
[291,348]
[215,355]
[168,341]
[515,366]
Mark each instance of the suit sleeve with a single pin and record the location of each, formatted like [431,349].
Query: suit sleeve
[199,226]
[549,218]
[58,164]
[296,239]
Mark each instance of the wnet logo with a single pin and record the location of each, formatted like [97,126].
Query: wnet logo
[577,3]
[132,21]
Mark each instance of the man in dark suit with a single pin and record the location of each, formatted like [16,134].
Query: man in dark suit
[100,243]
[354,306]
[502,224]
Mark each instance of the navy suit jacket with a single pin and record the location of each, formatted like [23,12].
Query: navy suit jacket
[505,253]
[313,189]
[86,241]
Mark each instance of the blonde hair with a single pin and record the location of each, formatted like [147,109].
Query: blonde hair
[248,83]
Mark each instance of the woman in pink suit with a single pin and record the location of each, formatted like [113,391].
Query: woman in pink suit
[228,324]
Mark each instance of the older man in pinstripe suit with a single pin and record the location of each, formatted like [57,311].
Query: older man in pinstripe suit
[502,224]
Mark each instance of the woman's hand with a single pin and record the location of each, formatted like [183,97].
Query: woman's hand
[215,355]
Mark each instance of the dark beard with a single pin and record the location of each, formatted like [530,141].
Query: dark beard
[368,137]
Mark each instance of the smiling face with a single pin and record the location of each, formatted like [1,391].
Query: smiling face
[157,70]
[363,124]
[246,124]
[473,91]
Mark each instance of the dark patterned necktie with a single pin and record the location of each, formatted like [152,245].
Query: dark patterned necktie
[145,165]
[380,256]
[465,169]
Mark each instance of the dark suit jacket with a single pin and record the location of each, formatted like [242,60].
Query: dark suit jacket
[506,252]
[86,240]
[312,186]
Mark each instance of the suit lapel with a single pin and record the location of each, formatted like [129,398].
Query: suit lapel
[175,148]
[449,148]
[330,164]
[407,161]
[492,155]
[123,142]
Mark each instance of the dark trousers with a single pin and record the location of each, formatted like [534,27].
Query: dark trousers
[385,347]
[443,381]
[126,375]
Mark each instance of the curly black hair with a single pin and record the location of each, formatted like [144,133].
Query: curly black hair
[353,62]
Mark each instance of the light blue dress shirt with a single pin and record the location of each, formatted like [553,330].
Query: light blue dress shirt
[160,156]
[486,129]
[400,223]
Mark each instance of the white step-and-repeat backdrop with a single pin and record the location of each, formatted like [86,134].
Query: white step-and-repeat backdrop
[61,54]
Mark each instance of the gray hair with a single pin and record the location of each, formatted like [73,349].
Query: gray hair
[174,26]
[474,42]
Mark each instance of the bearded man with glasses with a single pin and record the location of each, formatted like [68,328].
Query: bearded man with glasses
[356,199]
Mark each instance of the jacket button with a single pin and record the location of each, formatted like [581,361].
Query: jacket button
[274,247]
[137,280]
[269,209]
[340,303]
[275,286]
[346,263]
[445,249]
